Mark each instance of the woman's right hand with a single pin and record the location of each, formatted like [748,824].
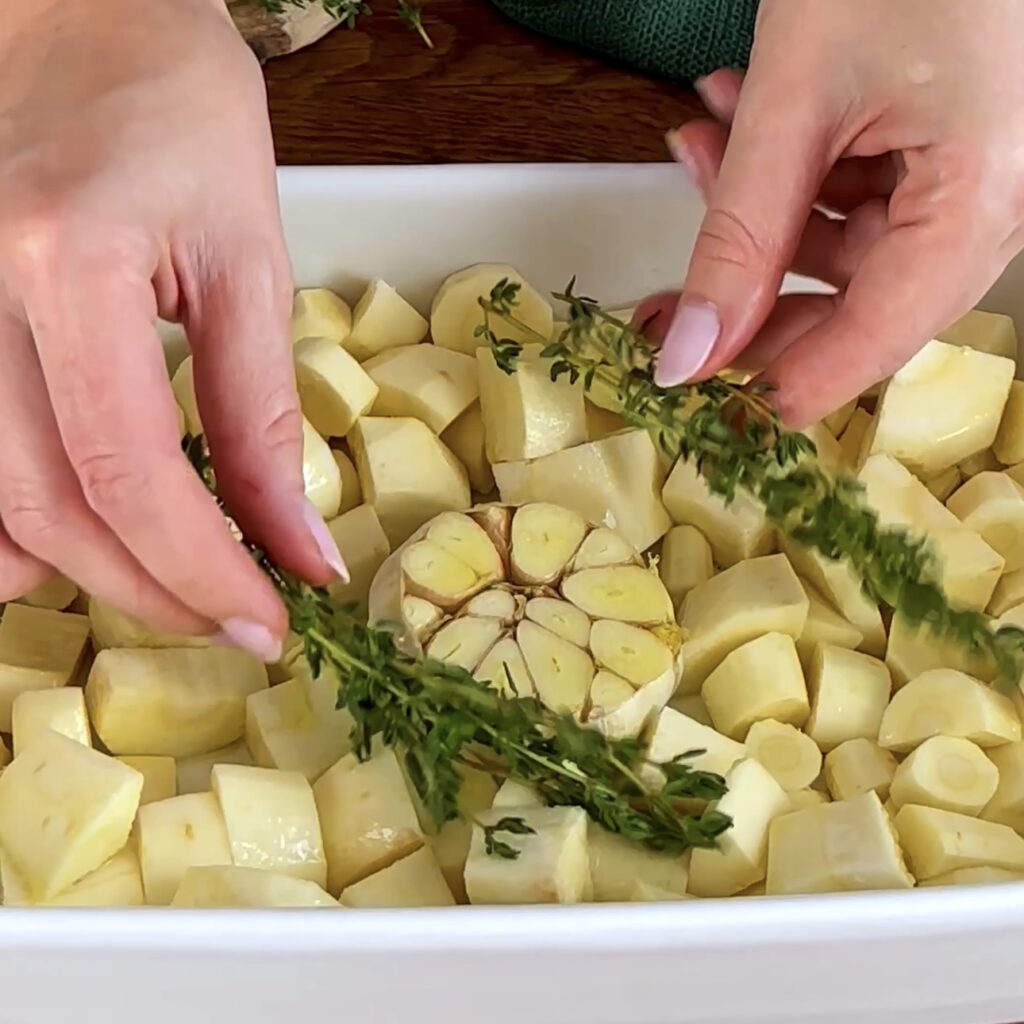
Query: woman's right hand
[137,179]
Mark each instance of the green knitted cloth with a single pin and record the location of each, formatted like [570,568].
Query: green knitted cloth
[677,39]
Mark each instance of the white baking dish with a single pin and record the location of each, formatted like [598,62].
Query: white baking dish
[941,956]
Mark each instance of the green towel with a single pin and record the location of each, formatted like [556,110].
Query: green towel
[676,39]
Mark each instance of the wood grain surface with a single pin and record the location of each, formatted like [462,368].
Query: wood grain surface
[488,91]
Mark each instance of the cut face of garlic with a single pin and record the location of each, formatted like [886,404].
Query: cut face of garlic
[537,603]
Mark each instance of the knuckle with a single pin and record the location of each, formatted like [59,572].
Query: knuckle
[111,482]
[726,238]
[31,518]
[282,429]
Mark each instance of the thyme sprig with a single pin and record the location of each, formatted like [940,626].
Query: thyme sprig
[495,847]
[735,437]
[348,12]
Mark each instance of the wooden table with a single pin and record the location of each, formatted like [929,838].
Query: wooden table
[488,91]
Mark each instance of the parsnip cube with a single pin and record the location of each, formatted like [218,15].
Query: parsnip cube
[944,702]
[856,436]
[159,776]
[413,881]
[913,650]
[364,546]
[801,798]
[113,628]
[943,485]
[465,438]
[40,649]
[272,821]
[942,406]
[1009,593]
[762,679]
[176,834]
[685,561]
[333,388]
[64,810]
[645,892]
[982,462]
[602,422]
[618,864]
[183,386]
[616,481]
[859,766]
[57,594]
[937,842]
[237,887]
[382,319]
[367,816]
[975,876]
[1008,447]
[1007,803]
[987,332]
[837,421]
[824,625]
[762,595]
[512,793]
[428,382]
[552,865]
[754,800]
[792,758]
[526,414]
[692,705]
[37,711]
[115,883]
[675,734]
[175,702]
[946,772]
[735,530]
[992,504]
[320,474]
[849,694]
[407,474]
[194,772]
[319,313]
[351,490]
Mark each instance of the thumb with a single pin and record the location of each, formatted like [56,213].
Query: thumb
[773,165]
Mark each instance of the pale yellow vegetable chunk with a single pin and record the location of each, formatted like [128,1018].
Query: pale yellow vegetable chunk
[40,649]
[645,892]
[465,438]
[319,313]
[849,694]
[175,702]
[367,816]
[802,798]
[413,881]
[382,319]
[692,705]
[552,865]
[321,477]
[792,757]
[56,593]
[450,843]
[1007,803]
[913,650]
[987,332]
[115,883]
[272,820]
[675,734]
[351,491]
[64,810]
[685,562]
[945,483]
[617,865]
[762,595]
[753,801]
[333,388]
[982,462]
[859,766]
[512,793]
[1008,447]
[176,834]
[937,842]
[975,876]
[113,628]
[855,435]
[183,386]
[992,504]
[159,775]
[944,702]
[194,772]
[845,846]
[1009,593]
[947,772]
[37,711]
[824,625]
[602,422]
[837,421]
[231,886]
[364,546]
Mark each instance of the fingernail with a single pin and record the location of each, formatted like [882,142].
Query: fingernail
[251,637]
[714,98]
[689,342]
[680,152]
[325,543]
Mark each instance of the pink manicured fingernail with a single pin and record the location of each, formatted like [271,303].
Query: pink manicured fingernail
[681,154]
[716,99]
[251,637]
[325,543]
[689,342]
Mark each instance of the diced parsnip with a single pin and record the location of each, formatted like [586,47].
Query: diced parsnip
[824,625]
[320,313]
[855,436]
[975,876]
[333,388]
[37,711]
[364,546]
[176,834]
[945,483]
[57,593]
[297,726]
[615,482]
[176,702]
[944,405]
[685,561]
[913,650]
[512,793]
[617,864]
[849,694]
[735,530]
[321,477]
[792,758]
[465,438]
[1009,593]
[992,504]
[431,383]
[183,386]
[987,332]
[982,462]
[645,892]
[946,772]
[113,628]
[937,842]
[367,816]
[5,754]
[40,649]
[382,319]
[64,810]
[455,313]
[351,491]
[802,798]
[845,846]
[413,881]
[945,702]
[859,766]
[970,565]
[675,734]
[1008,447]
[827,451]
[1007,803]
[762,595]
[159,776]
[194,772]
[115,883]
[406,473]
[837,421]
[272,821]
[692,705]
[231,886]
[182,425]
[526,414]
[552,865]
[602,422]
[753,801]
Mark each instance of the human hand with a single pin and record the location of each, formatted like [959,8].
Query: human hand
[137,179]
[906,118]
